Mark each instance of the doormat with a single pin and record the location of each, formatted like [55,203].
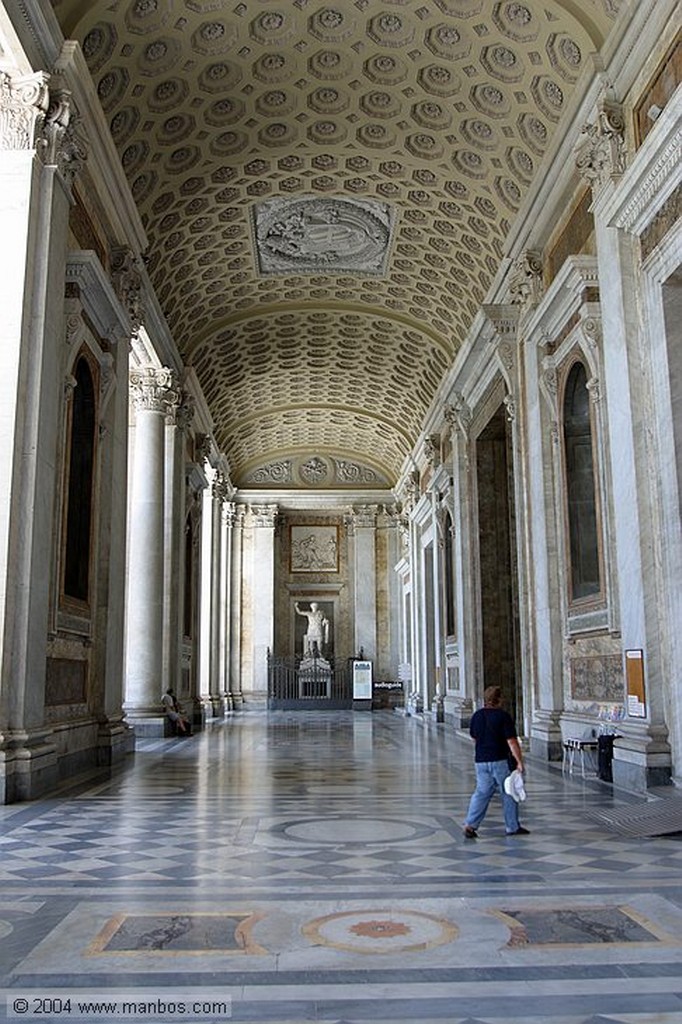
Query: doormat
[659,818]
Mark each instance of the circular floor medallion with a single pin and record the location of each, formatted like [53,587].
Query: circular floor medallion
[380,931]
[352,831]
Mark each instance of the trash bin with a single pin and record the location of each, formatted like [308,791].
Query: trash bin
[605,758]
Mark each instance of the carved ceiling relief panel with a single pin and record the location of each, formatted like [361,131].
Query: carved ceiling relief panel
[314,471]
[367,158]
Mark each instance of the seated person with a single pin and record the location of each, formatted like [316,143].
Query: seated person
[174,712]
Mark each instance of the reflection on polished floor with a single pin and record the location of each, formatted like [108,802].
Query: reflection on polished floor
[311,867]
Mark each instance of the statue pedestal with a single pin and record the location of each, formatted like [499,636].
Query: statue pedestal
[314,678]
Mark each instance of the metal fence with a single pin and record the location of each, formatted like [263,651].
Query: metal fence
[307,685]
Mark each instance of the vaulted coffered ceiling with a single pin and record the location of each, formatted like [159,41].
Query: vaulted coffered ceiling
[327,190]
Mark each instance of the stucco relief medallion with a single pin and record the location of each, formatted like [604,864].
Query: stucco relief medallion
[322,234]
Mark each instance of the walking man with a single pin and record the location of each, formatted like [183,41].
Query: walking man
[494,734]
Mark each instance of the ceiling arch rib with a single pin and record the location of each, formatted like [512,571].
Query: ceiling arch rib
[432,119]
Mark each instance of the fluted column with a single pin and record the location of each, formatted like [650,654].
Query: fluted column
[154,395]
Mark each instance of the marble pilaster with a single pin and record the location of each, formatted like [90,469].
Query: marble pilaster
[459,702]
[235,610]
[178,423]
[642,755]
[263,519]
[362,523]
[205,590]
[34,208]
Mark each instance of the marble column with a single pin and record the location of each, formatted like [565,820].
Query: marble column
[39,157]
[155,395]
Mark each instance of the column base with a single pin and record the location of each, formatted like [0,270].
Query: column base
[115,740]
[546,742]
[458,710]
[149,724]
[641,757]
[28,766]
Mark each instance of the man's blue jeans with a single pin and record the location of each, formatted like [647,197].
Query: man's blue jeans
[490,775]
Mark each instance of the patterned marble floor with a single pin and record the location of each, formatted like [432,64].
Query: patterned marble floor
[311,867]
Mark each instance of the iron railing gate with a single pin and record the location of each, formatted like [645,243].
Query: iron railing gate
[309,685]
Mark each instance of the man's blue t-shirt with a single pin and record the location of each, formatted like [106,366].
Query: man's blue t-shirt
[491,728]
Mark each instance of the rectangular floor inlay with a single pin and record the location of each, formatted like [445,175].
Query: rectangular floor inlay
[177,933]
[580,926]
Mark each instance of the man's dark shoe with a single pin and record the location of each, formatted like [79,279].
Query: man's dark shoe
[521,831]
[469,832]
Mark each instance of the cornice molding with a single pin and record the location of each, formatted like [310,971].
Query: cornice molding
[97,296]
[653,175]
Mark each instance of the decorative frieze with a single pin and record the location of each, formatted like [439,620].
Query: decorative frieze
[313,471]
[154,389]
[24,104]
[274,473]
[352,473]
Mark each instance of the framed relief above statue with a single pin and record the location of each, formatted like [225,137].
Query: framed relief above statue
[314,548]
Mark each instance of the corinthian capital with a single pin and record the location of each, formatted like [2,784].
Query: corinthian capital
[23,106]
[600,156]
[154,390]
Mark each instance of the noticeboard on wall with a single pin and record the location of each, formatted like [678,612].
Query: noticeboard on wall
[634,680]
[362,680]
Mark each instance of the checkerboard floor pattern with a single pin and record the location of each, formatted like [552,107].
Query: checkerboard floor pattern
[248,817]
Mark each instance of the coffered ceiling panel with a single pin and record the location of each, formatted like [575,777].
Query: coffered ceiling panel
[327,190]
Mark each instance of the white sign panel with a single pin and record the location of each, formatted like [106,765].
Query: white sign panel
[362,680]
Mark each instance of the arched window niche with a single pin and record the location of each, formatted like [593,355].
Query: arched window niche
[582,496]
[449,572]
[79,490]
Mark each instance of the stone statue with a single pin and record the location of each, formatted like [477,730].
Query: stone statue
[318,630]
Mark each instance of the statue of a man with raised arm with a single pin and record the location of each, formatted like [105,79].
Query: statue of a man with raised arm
[318,630]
